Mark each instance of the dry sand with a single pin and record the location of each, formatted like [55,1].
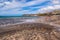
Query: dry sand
[32,33]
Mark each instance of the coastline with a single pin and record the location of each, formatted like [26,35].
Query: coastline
[31,22]
[28,27]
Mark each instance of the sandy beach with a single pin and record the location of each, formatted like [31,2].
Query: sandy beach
[28,29]
[35,31]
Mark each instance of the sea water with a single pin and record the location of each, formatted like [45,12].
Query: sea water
[17,19]
[4,17]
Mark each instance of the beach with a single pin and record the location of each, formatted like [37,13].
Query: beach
[28,29]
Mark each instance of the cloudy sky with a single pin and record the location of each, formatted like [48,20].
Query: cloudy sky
[19,7]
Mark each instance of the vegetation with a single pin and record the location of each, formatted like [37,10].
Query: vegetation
[55,12]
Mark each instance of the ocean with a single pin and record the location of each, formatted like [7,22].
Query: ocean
[4,20]
[18,17]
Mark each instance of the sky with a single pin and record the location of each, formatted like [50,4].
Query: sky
[20,7]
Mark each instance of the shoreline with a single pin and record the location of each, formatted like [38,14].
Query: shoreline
[29,29]
[31,22]
[27,25]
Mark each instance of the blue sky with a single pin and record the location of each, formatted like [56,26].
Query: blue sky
[19,7]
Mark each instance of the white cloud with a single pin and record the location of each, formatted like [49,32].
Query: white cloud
[16,7]
[14,4]
[7,3]
[10,5]
[55,5]
[50,8]
[55,1]
[34,2]
[2,4]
